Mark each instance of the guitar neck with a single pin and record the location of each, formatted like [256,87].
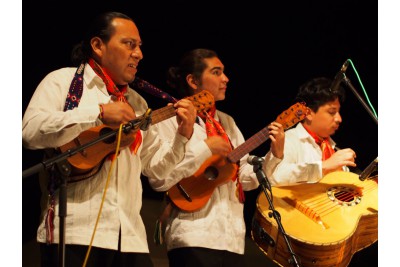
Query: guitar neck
[162,114]
[250,144]
[202,101]
[288,118]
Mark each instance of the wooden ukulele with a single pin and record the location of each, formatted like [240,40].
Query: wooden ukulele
[87,160]
[326,222]
[193,192]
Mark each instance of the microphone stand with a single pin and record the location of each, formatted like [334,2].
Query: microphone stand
[367,108]
[64,168]
[366,173]
[263,180]
[372,166]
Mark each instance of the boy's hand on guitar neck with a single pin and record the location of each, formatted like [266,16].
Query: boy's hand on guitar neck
[277,136]
[341,158]
[218,146]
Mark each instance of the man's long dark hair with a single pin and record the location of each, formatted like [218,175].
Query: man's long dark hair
[100,27]
[192,62]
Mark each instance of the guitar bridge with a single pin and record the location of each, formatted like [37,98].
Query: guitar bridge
[309,212]
[183,192]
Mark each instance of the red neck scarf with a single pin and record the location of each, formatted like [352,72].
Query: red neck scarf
[118,92]
[213,128]
[111,87]
[327,150]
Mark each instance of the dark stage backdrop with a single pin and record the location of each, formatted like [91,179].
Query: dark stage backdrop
[268,49]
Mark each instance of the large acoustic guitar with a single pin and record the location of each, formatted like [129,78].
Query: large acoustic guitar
[193,192]
[86,161]
[326,222]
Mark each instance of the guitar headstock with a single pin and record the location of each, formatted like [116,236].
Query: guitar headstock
[202,101]
[292,115]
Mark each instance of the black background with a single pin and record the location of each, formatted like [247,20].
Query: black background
[269,48]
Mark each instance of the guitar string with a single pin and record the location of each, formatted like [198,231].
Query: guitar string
[162,113]
[366,188]
[263,135]
[249,145]
[327,206]
[169,111]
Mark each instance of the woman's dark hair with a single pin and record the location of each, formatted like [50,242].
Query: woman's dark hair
[193,63]
[100,27]
[318,91]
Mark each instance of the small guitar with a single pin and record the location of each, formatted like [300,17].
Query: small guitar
[90,158]
[192,193]
[326,222]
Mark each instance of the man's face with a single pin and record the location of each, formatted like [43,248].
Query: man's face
[121,55]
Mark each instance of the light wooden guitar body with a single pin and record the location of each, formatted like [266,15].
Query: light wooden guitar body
[327,222]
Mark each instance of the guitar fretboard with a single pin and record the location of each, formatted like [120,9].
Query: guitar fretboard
[162,114]
[288,118]
[201,101]
[250,144]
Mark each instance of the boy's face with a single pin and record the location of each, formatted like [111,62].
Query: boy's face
[326,120]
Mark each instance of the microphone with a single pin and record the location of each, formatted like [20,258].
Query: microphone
[254,160]
[339,76]
[369,170]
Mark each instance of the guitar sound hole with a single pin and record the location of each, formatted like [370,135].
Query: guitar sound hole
[109,140]
[344,196]
[211,173]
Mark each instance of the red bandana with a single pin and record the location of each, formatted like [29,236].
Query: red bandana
[213,128]
[119,93]
[327,150]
